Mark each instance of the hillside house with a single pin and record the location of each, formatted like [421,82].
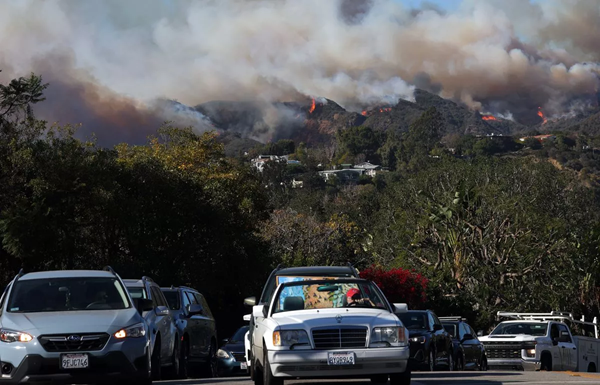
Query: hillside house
[540,138]
[370,169]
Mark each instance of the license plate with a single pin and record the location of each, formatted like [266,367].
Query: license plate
[339,358]
[74,361]
[243,365]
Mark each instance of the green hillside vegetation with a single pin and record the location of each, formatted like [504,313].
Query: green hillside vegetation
[494,223]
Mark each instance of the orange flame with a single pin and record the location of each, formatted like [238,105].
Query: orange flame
[371,112]
[364,113]
[541,115]
[312,107]
[488,117]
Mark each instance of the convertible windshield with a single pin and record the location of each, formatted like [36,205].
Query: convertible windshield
[526,328]
[326,295]
[67,294]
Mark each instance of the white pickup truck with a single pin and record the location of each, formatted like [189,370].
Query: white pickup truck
[542,341]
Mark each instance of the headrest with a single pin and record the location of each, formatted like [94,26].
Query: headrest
[293,303]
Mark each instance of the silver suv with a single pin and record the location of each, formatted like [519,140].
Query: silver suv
[77,326]
[164,337]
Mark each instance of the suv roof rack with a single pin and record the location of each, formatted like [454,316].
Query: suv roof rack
[109,269]
[453,318]
[146,278]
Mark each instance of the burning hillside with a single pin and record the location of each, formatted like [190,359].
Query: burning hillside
[504,57]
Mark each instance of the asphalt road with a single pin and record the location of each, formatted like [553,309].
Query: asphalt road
[438,378]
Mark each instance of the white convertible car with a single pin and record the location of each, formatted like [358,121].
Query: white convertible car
[329,328]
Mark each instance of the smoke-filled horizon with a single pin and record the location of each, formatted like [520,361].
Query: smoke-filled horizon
[111,63]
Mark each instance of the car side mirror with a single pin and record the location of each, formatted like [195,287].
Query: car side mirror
[224,341]
[437,327]
[250,301]
[467,337]
[247,317]
[195,309]
[143,304]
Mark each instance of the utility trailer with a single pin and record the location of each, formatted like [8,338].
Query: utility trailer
[546,341]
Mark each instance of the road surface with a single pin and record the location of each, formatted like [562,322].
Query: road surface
[437,378]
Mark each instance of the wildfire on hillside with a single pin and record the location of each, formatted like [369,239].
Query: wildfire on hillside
[312,107]
[371,112]
[541,115]
[488,117]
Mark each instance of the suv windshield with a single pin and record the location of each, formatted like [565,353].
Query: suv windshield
[414,320]
[67,294]
[527,328]
[239,335]
[326,295]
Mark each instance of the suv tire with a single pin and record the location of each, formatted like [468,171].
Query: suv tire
[269,379]
[156,362]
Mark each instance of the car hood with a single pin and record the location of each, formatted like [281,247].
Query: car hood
[336,317]
[87,321]
[507,338]
[418,332]
[237,347]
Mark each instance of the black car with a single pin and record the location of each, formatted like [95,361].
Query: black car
[196,326]
[430,344]
[469,352]
[231,356]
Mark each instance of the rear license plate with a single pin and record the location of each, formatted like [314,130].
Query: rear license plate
[74,361]
[340,358]
[243,365]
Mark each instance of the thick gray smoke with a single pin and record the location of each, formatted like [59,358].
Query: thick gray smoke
[110,61]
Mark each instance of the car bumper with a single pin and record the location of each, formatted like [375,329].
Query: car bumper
[311,363]
[231,366]
[514,364]
[32,364]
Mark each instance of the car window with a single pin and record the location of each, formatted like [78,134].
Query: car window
[67,294]
[436,320]
[462,331]
[554,333]
[158,297]
[137,292]
[414,320]
[451,329]
[563,328]
[431,321]
[172,297]
[185,300]
[192,299]
[205,306]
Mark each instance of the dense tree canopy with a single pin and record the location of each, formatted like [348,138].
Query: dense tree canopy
[486,224]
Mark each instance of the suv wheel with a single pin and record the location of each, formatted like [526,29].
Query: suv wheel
[156,364]
[269,379]
[184,355]
[174,368]
[210,367]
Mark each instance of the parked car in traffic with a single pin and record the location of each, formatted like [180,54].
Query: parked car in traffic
[469,353]
[72,327]
[231,356]
[164,338]
[430,344]
[285,274]
[196,326]
[329,329]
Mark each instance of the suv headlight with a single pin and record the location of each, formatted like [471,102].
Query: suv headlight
[222,354]
[134,331]
[419,339]
[390,336]
[290,338]
[9,336]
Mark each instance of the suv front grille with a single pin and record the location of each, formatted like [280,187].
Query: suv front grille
[340,338]
[73,342]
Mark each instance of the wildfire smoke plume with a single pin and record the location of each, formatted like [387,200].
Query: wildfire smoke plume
[502,56]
